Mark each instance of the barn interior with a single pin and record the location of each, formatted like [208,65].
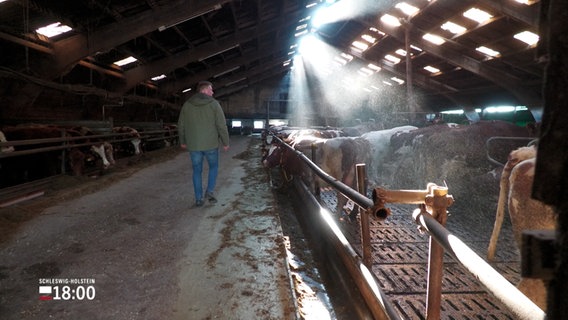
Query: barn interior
[139,60]
[296,62]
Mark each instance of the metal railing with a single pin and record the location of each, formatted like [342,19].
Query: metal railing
[430,217]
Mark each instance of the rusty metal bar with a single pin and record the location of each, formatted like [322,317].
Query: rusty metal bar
[436,199]
[439,203]
[317,191]
[521,306]
[365,227]
[488,142]
[377,302]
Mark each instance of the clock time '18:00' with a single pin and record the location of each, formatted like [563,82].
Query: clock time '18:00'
[69,292]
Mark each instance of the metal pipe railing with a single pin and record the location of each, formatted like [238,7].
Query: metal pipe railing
[355,196]
[64,143]
[490,140]
[501,288]
[367,283]
[436,199]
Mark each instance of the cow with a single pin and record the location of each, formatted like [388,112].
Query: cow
[97,148]
[132,145]
[286,159]
[3,139]
[171,135]
[525,212]
[361,128]
[379,142]
[336,156]
[30,167]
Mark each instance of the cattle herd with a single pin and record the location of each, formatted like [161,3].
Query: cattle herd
[408,157]
[43,150]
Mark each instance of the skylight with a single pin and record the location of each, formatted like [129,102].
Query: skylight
[401,52]
[392,58]
[160,77]
[125,61]
[390,20]
[375,30]
[437,40]
[360,45]
[340,60]
[453,28]
[527,37]
[53,29]
[368,38]
[365,71]
[406,8]
[301,33]
[478,15]
[374,67]
[488,51]
[312,4]
[397,80]
[431,69]
[415,48]
[348,57]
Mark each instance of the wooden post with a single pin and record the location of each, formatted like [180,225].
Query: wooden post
[437,200]
[365,228]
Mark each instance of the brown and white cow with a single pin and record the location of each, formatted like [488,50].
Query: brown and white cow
[336,156]
[525,212]
[132,145]
[97,148]
[380,143]
[29,167]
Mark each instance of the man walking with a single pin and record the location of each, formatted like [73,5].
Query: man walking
[201,126]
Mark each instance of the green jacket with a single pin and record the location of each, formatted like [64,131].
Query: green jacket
[201,123]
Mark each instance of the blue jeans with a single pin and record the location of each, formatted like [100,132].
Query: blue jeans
[212,157]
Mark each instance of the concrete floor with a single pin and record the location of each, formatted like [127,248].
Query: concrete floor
[144,253]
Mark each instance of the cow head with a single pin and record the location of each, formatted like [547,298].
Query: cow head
[109,152]
[3,139]
[273,156]
[102,150]
[136,143]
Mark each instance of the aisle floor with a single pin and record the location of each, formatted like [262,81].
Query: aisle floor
[141,249]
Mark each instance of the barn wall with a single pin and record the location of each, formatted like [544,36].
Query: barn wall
[25,101]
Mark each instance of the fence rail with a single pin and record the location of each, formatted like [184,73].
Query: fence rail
[440,239]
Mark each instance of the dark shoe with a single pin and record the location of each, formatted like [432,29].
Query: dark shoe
[199,203]
[211,197]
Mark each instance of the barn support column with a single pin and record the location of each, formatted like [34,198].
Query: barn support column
[550,182]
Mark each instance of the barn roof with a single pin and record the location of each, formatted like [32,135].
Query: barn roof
[239,44]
